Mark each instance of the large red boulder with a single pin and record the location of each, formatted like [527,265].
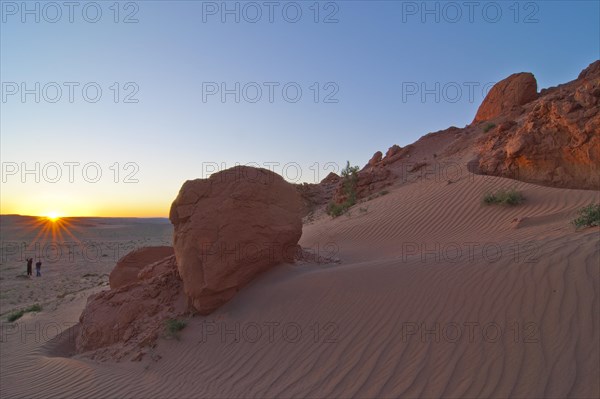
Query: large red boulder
[507,95]
[231,227]
[127,268]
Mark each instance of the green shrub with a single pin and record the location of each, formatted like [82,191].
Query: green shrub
[588,216]
[335,210]
[350,176]
[349,182]
[173,326]
[504,197]
[34,308]
[17,314]
[488,127]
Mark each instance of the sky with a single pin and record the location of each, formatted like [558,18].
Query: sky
[108,107]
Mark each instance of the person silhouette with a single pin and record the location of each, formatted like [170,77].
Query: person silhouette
[29,266]
[38,268]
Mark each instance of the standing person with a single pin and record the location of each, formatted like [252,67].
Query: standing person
[29,267]
[38,268]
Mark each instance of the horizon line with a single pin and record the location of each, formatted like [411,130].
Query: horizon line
[106,217]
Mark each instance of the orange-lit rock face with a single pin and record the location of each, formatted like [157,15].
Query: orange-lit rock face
[231,227]
[507,95]
[556,139]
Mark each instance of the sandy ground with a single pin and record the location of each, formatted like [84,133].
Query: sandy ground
[436,295]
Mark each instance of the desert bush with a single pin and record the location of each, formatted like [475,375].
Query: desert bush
[504,197]
[488,127]
[350,176]
[335,210]
[34,308]
[17,314]
[173,326]
[588,216]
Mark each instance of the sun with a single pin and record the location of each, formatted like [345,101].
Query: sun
[53,216]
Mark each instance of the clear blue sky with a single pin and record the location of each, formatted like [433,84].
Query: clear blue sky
[373,50]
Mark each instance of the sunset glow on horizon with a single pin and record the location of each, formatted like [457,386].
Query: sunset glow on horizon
[51,229]
[53,216]
[78,205]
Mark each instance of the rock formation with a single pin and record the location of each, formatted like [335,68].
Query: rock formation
[551,138]
[372,179]
[375,159]
[374,176]
[122,320]
[556,139]
[318,195]
[507,96]
[231,227]
[127,268]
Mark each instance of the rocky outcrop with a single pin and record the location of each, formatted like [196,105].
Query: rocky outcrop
[392,151]
[127,268]
[373,179]
[123,320]
[231,227]
[375,159]
[317,195]
[508,96]
[551,138]
[157,268]
[556,140]
[376,175]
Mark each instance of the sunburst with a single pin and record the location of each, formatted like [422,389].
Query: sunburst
[53,216]
[51,231]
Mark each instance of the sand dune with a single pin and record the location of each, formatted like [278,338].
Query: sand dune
[431,212]
[405,314]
